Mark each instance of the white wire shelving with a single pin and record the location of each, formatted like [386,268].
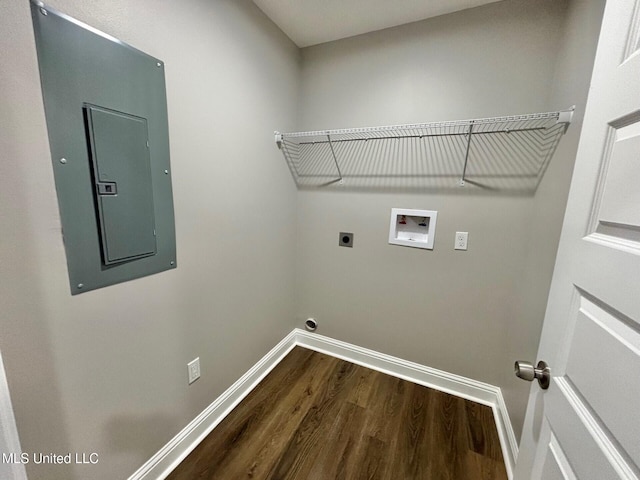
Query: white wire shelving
[500,153]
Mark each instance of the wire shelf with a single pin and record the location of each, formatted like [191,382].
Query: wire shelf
[500,153]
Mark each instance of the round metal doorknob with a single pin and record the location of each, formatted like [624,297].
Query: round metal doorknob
[527,371]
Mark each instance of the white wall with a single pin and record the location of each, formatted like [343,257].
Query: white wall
[457,311]
[105,371]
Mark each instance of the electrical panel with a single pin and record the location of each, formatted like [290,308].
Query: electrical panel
[123,184]
[106,111]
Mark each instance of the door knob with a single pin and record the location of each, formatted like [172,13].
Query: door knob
[528,372]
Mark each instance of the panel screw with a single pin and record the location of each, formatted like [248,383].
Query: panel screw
[43,12]
[172,262]
[158,64]
[166,172]
[63,160]
[80,285]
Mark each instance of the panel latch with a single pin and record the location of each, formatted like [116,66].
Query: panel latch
[107,188]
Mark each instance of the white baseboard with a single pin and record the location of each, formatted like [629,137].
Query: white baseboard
[162,463]
[505,432]
[169,457]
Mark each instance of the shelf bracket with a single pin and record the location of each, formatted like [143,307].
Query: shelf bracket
[466,155]
[566,116]
[278,136]
[335,159]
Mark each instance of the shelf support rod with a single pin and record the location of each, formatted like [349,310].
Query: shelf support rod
[335,159]
[466,155]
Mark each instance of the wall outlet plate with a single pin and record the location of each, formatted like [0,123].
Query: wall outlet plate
[461,240]
[345,239]
[193,368]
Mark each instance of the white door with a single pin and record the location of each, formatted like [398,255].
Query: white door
[587,424]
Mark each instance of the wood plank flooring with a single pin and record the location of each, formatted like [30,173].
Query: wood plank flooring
[320,418]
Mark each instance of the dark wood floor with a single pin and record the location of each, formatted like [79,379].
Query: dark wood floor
[318,417]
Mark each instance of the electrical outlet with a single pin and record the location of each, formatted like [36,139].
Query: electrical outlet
[193,368]
[461,241]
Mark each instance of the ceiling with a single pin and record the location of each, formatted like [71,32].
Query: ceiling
[309,22]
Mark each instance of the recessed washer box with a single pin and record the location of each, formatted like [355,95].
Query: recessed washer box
[412,228]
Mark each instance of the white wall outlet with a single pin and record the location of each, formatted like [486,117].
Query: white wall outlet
[461,240]
[194,370]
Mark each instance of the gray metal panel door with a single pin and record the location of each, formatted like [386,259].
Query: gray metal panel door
[122,173]
[92,82]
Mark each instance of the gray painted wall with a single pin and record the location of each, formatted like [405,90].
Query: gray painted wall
[106,371]
[461,312]
[572,76]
